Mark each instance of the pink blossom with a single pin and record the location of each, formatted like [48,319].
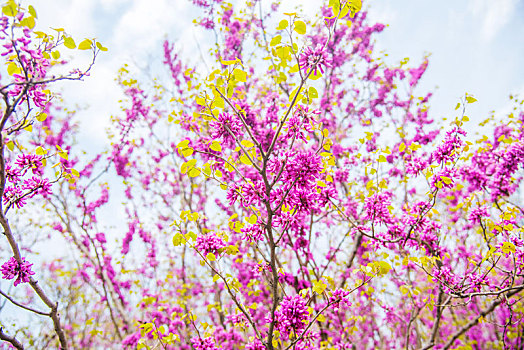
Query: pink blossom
[315,59]
[19,270]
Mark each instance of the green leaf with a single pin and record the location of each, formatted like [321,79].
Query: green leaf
[471,99]
[215,146]
[183,144]
[211,257]
[508,247]
[252,219]
[247,143]
[32,11]
[13,68]
[85,44]
[100,47]
[178,239]
[40,151]
[240,75]
[29,128]
[10,145]
[300,27]
[315,75]
[356,6]
[55,54]
[283,24]
[276,40]
[194,172]
[230,62]
[28,22]
[10,9]
[187,152]
[446,180]
[69,43]
[319,287]
[244,159]
[294,69]
[313,93]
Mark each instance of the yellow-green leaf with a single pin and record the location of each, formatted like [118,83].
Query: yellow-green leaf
[100,47]
[13,68]
[40,151]
[283,24]
[294,69]
[356,6]
[211,257]
[10,145]
[32,11]
[10,9]
[300,27]
[85,44]
[240,75]
[69,43]
[29,128]
[247,143]
[276,40]
[194,172]
[244,159]
[41,117]
[508,247]
[446,180]
[252,219]
[28,22]
[470,99]
[215,146]
[313,93]
[55,54]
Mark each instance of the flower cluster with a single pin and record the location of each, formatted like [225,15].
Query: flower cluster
[293,315]
[19,270]
[203,344]
[209,243]
[317,59]
[299,124]
[225,127]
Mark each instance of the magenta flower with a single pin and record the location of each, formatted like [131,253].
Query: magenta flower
[21,271]
[38,185]
[225,127]
[292,317]
[209,243]
[14,194]
[203,344]
[31,161]
[315,59]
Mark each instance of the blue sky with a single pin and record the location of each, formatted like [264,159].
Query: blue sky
[476,46]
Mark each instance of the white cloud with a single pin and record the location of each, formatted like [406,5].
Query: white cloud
[494,15]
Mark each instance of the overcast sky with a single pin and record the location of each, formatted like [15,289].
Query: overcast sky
[476,46]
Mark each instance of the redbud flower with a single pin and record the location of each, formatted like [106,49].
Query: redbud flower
[226,125]
[31,161]
[209,243]
[292,316]
[15,194]
[315,59]
[21,271]
[203,344]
